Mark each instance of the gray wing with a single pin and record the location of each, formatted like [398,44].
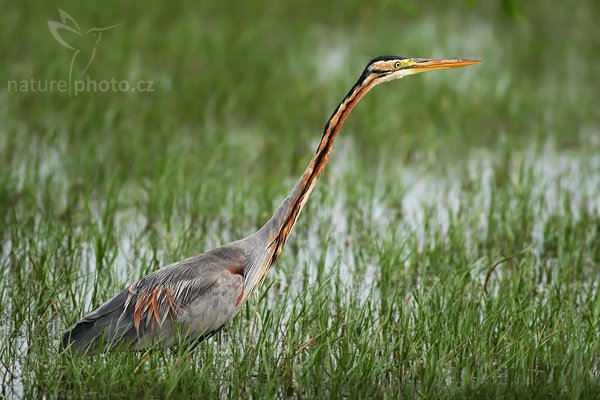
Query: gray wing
[175,304]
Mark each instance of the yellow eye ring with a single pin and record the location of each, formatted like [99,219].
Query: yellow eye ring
[397,65]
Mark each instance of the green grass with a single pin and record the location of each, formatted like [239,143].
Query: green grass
[434,181]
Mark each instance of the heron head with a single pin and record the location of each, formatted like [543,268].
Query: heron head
[387,68]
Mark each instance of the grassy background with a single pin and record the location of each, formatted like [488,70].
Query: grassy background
[380,291]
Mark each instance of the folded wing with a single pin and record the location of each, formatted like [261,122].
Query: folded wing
[177,304]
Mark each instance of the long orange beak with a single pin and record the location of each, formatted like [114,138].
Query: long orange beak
[424,65]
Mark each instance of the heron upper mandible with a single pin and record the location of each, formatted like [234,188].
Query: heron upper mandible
[192,299]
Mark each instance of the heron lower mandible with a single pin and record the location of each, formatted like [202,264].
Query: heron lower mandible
[194,298]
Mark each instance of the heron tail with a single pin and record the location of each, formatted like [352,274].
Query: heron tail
[86,334]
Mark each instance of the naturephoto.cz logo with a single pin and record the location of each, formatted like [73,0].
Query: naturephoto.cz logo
[83,46]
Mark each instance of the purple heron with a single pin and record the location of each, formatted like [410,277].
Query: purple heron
[192,299]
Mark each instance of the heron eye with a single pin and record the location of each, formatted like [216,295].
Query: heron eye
[397,65]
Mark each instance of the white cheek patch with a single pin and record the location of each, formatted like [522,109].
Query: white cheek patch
[402,73]
[396,75]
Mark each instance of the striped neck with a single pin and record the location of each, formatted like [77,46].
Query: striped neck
[286,215]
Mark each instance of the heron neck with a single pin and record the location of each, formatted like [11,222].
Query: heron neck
[280,225]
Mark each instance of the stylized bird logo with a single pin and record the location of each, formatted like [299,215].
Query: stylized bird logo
[83,44]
